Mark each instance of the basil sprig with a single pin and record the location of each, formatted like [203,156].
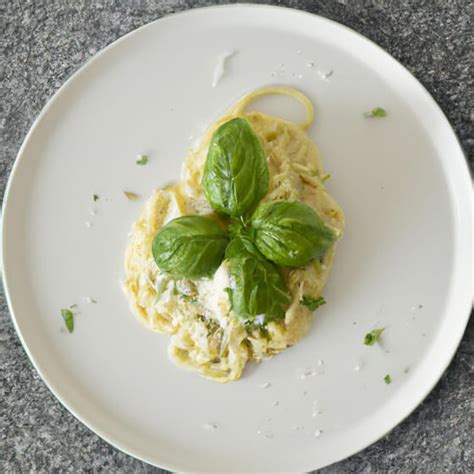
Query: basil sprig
[236,174]
[189,247]
[290,233]
[313,304]
[283,233]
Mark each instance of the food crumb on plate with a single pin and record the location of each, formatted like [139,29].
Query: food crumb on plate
[305,373]
[210,426]
[316,410]
[265,429]
[141,159]
[131,196]
[220,68]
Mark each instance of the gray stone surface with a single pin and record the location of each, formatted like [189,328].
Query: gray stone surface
[43,42]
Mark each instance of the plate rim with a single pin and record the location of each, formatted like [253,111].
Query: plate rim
[463,319]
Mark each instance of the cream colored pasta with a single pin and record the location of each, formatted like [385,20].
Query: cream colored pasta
[204,333]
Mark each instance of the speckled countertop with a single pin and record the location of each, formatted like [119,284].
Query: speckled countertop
[42,42]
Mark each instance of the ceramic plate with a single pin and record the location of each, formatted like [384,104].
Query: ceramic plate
[403,264]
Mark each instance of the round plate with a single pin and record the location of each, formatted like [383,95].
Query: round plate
[403,264]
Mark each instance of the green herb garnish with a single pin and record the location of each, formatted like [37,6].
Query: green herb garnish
[376,112]
[189,247]
[235,179]
[259,288]
[188,298]
[95,197]
[373,336]
[236,172]
[142,160]
[325,177]
[313,304]
[68,317]
[387,379]
[290,233]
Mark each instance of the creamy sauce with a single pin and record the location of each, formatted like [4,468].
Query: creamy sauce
[213,297]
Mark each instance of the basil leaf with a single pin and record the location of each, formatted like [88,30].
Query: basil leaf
[290,233]
[236,172]
[241,246]
[189,247]
[313,304]
[258,292]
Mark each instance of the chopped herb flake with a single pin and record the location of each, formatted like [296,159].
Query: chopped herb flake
[373,336]
[131,196]
[95,197]
[376,112]
[313,304]
[325,177]
[142,160]
[387,379]
[73,306]
[68,317]
[189,298]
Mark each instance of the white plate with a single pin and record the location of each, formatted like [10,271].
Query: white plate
[402,181]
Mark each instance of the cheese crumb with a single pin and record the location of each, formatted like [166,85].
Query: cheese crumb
[210,426]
